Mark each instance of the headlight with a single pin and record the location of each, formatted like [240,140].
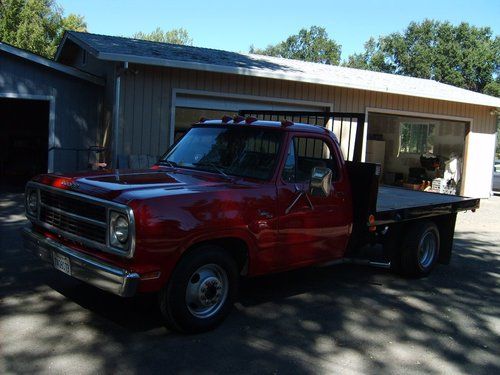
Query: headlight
[119,230]
[32,202]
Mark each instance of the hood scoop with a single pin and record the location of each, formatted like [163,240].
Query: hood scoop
[137,178]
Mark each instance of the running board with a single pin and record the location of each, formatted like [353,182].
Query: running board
[367,262]
[364,262]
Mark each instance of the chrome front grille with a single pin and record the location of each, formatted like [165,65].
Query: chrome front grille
[75,216]
[73,225]
[73,205]
[79,217]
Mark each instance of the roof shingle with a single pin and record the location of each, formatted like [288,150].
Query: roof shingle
[163,54]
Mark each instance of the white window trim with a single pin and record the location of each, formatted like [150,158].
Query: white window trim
[412,122]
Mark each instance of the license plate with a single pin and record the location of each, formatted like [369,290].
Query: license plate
[61,263]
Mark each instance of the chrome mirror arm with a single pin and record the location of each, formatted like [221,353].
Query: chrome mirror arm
[297,198]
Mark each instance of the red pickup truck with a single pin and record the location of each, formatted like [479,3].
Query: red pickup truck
[232,198]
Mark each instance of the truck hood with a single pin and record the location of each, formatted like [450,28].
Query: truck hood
[112,184]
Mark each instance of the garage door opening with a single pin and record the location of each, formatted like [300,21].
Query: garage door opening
[24,129]
[418,153]
[190,107]
[185,117]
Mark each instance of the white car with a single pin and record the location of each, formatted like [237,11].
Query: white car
[496,176]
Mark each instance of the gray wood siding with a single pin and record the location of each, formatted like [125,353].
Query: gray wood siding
[146,102]
[77,106]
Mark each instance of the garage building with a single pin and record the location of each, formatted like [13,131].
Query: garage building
[49,115]
[154,91]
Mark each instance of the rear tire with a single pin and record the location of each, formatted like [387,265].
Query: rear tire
[420,250]
[201,291]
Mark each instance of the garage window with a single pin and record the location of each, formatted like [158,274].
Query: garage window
[416,138]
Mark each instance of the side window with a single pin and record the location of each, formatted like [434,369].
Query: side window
[303,155]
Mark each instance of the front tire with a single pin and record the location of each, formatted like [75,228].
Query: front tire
[201,291]
[420,250]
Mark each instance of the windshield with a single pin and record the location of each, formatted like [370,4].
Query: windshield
[239,151]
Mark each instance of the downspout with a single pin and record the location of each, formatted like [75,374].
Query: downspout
[116,114]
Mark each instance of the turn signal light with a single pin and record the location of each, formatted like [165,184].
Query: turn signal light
[237,119]
[151,275]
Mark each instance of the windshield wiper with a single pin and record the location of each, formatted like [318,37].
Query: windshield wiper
[172,164]
[214,166]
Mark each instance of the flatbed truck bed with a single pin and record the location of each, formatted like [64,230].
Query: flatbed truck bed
[395,204]
[391,216]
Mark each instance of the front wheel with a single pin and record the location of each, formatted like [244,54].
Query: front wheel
[420,250]
[201,291]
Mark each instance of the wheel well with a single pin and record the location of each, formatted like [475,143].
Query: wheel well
[445,225]
[235,247]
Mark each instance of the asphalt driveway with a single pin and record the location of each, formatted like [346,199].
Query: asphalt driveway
[347,319]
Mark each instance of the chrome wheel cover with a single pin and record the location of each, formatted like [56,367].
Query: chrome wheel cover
[427,249]
[207,291]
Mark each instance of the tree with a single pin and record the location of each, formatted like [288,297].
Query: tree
[174,36]
[36,25]
[308,45]
[74,22]
[371,59]
[493,89]
[465,56]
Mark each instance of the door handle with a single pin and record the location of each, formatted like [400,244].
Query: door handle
[339,194]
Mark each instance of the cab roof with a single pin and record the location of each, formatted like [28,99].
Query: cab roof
[283,125]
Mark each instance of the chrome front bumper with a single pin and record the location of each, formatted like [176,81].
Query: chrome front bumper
[83,267]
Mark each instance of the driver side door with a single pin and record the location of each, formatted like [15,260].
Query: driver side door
[311,228]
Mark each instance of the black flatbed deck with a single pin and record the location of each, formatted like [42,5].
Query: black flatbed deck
[395,204]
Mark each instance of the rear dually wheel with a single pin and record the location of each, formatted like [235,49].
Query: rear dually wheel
[420,249]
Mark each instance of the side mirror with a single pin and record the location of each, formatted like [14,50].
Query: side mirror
[321,182]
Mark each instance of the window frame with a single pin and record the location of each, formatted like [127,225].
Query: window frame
[428,124]
[337,172]
[276,166]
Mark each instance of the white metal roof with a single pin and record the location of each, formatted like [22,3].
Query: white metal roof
[187,57]
[380,82]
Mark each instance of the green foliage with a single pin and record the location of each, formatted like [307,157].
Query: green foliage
[74,22]
[36,25]
[371,59]
[174,36]
[465,56]
[493,88]
[308,45]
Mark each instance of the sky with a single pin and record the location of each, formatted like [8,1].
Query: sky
[235,25]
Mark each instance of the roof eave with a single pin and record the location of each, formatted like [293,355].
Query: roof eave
[50,64]
[68,35]
[494,102]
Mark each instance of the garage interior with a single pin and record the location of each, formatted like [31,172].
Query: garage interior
[24,126]
[418,153]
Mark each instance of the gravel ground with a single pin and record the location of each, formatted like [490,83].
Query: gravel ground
[348,319]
